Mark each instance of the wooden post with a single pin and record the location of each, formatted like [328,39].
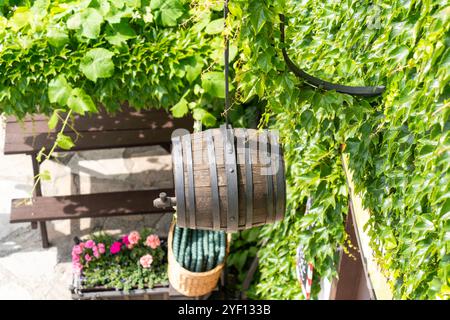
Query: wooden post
[38,193]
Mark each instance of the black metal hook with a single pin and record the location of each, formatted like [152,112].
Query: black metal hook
[319,83]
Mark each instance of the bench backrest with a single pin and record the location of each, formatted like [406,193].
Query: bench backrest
[128,128]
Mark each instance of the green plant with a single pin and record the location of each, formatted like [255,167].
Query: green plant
[243,250]
[104,261]
[398,144]
[81,54]
[78,55]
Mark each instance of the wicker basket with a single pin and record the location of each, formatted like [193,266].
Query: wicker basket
[188,283]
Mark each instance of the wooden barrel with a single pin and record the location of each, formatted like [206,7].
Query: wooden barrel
[228,179]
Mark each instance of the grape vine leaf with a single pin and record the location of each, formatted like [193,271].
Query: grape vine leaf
[193,69]
[97,63]
[59,90]
[57,37]
[21,18]
[180,109]
[87,22]
[64,142]
[215,26]
[118,34]
[167,11]
[204,116]
[53,120]
[214,84]
[80,102]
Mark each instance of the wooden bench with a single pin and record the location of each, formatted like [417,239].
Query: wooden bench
[128,128]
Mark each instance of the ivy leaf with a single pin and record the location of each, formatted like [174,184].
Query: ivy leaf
[214,84]
[180,109]
[59,90]
[258,17]
[57,37]
[88,22]
[241,259]
[119,33]
[115,14]
[97,63]
[45,175]
[74,22]
[215,26]
[204,116]
[64,142]
[80,102]
[53,121]
[265,61]
[167,11]
[399,54]
[22,17]
[193,69]
[307,120]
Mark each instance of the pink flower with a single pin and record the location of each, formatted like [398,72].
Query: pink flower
[77,250]
[125,240]
[134,237]
[77,267]
[146,261]
[101,248]
[90,244]
[130,246]
[87,257]
[82,245]
[153,241]
[115,247]
[95,252]
[75,258]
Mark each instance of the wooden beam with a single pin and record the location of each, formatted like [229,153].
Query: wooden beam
[376,275]
[98,131]
[87,206]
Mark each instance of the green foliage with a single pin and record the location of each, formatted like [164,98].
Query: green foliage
[243,250]
[167,11]
[122,270]
[97,63]
[72,56]
[79,54]
[398,144]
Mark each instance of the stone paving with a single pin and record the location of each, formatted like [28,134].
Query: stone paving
[29,272]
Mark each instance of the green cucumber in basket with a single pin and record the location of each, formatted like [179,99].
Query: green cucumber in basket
[183,244]
[194,253]
[176,242]
[210,263]
[216,247]
[205,251]
[222,246]
[188,251]
[199,260]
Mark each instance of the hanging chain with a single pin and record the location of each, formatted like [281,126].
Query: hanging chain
[227,62]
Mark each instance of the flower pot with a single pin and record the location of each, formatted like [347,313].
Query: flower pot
[158,292]
[132,266]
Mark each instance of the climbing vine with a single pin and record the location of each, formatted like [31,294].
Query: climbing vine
[82,55]
[398,144]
